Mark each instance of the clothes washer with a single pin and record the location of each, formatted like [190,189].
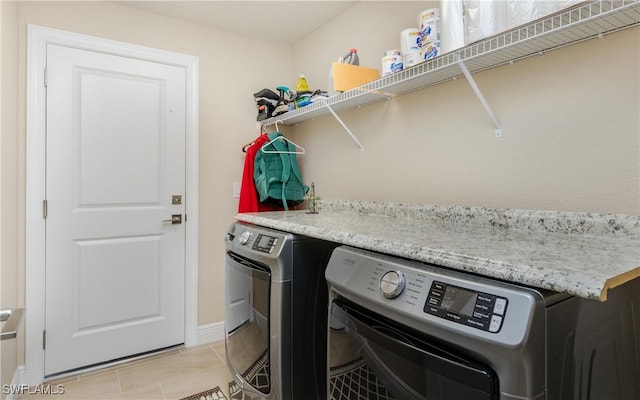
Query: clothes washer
[407,330]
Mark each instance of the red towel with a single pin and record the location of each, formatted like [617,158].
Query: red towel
[248,194]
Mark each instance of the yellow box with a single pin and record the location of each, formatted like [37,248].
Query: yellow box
[347,76]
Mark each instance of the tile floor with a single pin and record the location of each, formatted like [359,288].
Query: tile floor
[172,375]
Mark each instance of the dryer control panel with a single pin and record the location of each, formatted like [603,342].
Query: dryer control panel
[251,241]
[476,309]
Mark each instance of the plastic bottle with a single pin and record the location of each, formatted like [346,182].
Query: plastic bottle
[301,84]
[351,57]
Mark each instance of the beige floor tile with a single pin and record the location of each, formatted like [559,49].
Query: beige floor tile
[220,350]
[96,386]
[183,385]
[152,391]
[196,348]
[222,377]
[176,365]
[46,391]
[170,375]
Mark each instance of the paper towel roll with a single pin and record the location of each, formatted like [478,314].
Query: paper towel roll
[391,64]
[428,14]
[483,18]
[409,40]
[412,57]
[392,52]
[430,50]
[429,23]
[452,36]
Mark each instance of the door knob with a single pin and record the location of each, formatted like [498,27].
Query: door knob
[175,219]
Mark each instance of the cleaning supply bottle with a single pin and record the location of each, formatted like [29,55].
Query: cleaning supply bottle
[351,57]
[301,84]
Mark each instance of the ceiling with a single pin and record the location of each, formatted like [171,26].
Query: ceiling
[277,21]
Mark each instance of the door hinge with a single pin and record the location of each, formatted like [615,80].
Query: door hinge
[45,208]
[46,77]
[44,340]
[185,218]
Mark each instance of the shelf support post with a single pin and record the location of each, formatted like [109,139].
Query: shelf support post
[478,93]
[346,128]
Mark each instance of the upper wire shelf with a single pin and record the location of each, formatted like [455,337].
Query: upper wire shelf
[582,22]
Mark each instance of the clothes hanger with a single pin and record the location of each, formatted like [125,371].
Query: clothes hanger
[246,146]
[281,137]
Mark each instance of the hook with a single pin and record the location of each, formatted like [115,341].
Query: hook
[277,125]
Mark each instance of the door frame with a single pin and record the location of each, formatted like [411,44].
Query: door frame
[38,38]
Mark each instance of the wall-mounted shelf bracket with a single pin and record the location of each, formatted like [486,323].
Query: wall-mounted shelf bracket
[346,128]
[478,93]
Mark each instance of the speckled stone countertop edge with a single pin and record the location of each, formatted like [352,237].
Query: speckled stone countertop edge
[599,224]
[590,287]
[337,225]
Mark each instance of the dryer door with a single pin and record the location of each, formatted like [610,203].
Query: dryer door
[247,322]
[381,359]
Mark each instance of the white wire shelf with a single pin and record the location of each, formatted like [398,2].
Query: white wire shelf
[585,21]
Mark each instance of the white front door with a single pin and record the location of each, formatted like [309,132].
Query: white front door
[115,157]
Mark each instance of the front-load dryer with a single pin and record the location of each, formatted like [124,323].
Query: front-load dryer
[276,313]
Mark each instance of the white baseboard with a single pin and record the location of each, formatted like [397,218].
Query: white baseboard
[17,380]
[211,332]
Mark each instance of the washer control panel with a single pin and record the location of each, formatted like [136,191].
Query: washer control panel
[431,298]
[476,309]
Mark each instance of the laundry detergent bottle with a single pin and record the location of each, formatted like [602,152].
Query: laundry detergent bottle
[301,84]
[351,57]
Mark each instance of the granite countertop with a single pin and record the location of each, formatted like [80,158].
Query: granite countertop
[582,254]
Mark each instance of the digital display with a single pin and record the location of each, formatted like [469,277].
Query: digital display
[459,300]
[475,309]
[265,241]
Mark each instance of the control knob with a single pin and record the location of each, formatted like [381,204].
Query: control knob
[244,237]
[392,284]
